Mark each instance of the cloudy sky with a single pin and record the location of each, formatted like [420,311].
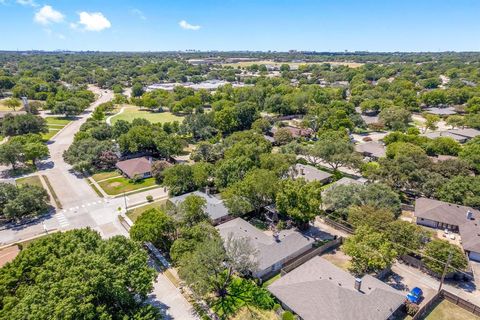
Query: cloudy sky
[322,25]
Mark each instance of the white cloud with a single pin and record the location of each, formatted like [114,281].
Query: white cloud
[29,3]
[93,21]
[138,13]
[187,26]
[47,15]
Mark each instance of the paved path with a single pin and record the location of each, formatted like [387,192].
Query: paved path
[169,299]
[109,119]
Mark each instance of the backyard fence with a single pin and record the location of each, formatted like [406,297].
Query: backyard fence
[294,263]
[446,295]
[338,225]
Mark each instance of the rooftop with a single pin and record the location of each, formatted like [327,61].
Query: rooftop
[373,148]
[320,288]
[269,250]
[134,166]
[309,173]
[214,206]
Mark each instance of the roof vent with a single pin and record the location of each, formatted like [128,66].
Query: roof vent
[469,215]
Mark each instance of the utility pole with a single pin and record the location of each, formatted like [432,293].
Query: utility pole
[445,271]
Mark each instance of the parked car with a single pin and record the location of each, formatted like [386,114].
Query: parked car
[415,295]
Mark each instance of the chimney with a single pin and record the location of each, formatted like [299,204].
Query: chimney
[276,236]
[469,215]
[207,190]
[302,171]
[358,284]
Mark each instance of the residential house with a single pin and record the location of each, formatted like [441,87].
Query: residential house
[272,249]
[296,132]
[459,135]
[136,167]
[214,207]
[371,149]
[457,218]
[448,111]
[310,173]
[320,290]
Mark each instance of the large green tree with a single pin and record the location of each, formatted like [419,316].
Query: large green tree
[154,226]
[77,275]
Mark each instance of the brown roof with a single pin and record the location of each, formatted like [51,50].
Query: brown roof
[132,167]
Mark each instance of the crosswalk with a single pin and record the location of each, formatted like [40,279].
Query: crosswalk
[85,205]
[62,220]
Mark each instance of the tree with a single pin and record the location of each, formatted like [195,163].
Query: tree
[282,136]
[261,125]
[455,121]
[11,153]
[189,238]
[366,215]
[137,90]
[33,151]
[179,179]
[257,190]
[436,255]
[406,236]
[334,149]
[471,153]
[395,118]
[191,211]
[12,103]
[202,173]
[13,125]
[461,190]
[158,168]
[154,226]
[443,146]
[78,275]
[370,250]
[211,271]
[431,121]
[300,200]
[277,162]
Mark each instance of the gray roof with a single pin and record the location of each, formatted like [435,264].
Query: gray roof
[441,111]
[438,134]
[466,132]
[452,214]
[345,181]
[214,207]
[372,148]
[309,173]
[269,251]
[318,287]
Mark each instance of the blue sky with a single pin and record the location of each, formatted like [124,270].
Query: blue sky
[322,25]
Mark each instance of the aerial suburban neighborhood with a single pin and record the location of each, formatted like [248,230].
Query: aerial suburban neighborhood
[239,161]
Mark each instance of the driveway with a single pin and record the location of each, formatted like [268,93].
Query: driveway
[171,302]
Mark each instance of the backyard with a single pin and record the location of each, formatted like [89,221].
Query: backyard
[55,124]
[447,310]
[132,112]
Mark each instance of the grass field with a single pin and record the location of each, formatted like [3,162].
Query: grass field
[446,310]
[33,181]
[135,213]
[133,112]
[54,125]
[105,175]
[119,185]
[292,64]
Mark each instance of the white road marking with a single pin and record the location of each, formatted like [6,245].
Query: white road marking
[62,220]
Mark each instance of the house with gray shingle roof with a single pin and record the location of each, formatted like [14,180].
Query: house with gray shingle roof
[215,208]
[443,215]
[371,149]
[309,173]
[320,290]
[272,250]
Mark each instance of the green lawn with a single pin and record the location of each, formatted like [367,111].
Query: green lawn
[105,175]
[271,280]
[33,181]
[119,185]
[55,124]
[446,310]
[135,213]
[132,112]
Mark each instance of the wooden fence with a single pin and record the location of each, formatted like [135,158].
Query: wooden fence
[338,225]
[453,298]
[294,263]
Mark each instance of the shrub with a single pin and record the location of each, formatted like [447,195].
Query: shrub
[287,315]
[412,308]
[149,198]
